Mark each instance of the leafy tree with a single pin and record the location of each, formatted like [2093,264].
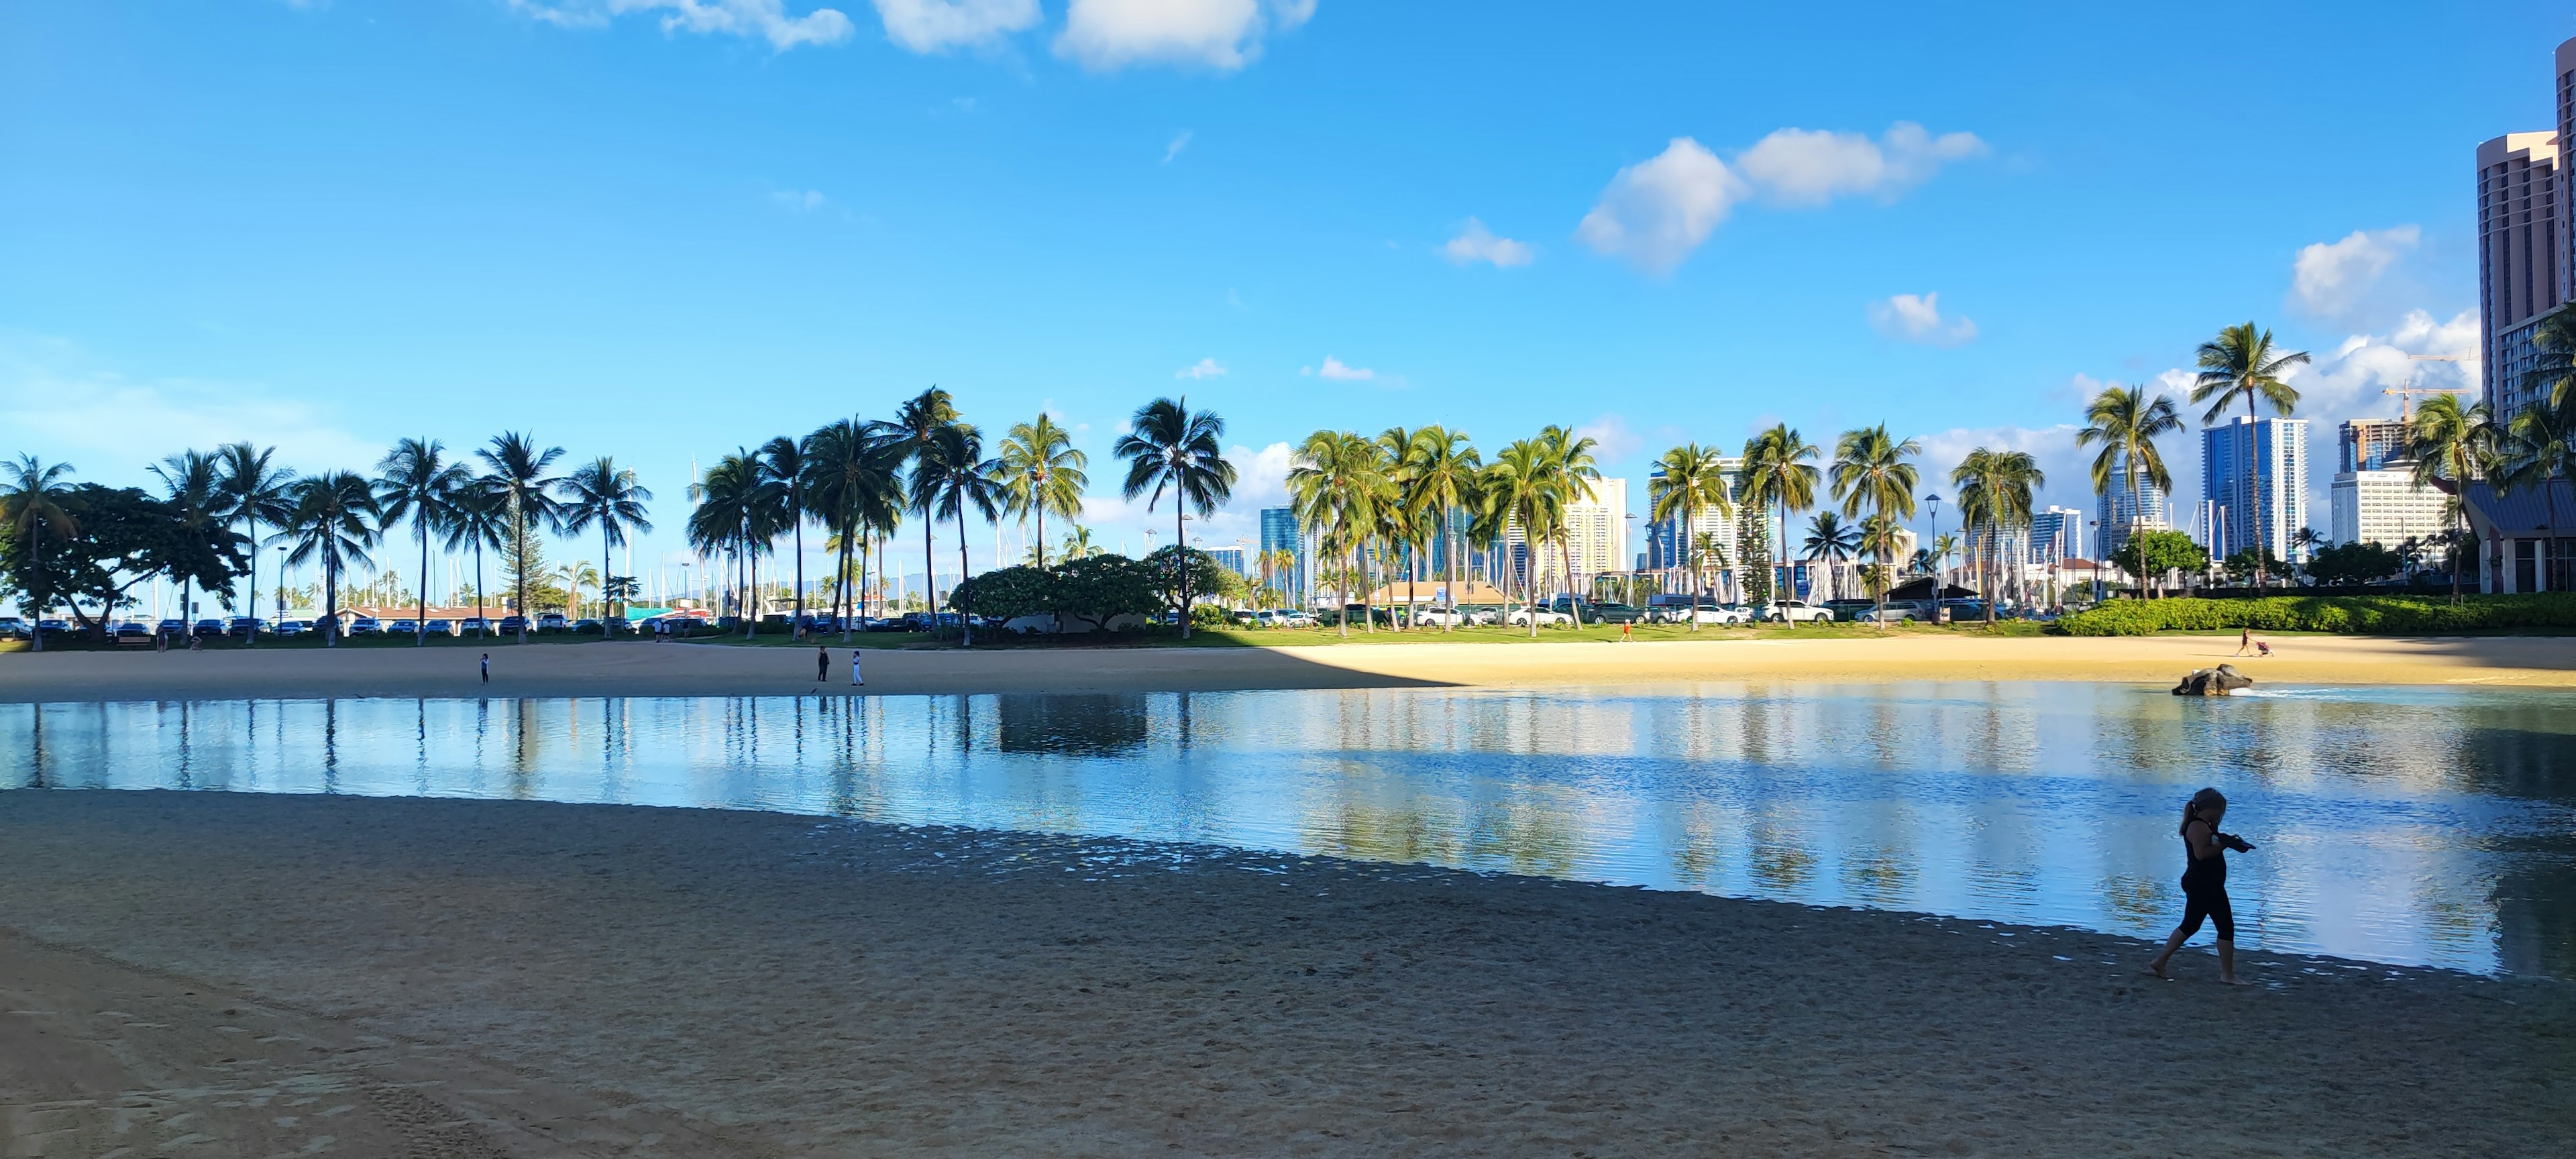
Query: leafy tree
[2156,552]
[2452,444]
[192,483]
[1168,447]
[1006,593]
[1567,467]
[1442,475]
[2240,363]
[1099,588]
[1176,586]
[727,498]
[2354,563]
[1517,494]
[1995,489]
[853,484]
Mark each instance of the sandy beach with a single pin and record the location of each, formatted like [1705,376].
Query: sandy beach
[276,974]
[643,669]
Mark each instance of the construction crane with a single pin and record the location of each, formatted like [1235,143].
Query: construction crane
[2406,394]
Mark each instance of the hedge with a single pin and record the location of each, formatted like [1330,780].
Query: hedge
[2433,614]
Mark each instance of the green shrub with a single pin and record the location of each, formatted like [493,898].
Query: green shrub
[2431,614]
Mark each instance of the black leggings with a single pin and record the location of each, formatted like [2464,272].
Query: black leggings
[2207,901]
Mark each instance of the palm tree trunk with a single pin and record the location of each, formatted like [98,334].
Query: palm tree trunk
[331,601]
[1041,507]
[965,622]
[797,506]
[250,639]
[482,623]
[1342,615]
[603,580]
[929,576]
[420,618]
[1180,557]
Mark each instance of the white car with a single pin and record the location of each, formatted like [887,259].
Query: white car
[1709,614]
[1891,614]
[1439,618]
[1795,612]
[1520,618]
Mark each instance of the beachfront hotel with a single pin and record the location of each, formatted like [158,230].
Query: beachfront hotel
[2374,497]
[2125,509]
[2253,469]
[2525,237]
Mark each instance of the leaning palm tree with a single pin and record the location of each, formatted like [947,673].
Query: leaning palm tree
[420,484]
[31,509]
[950,479]
[478,516]
[2127,424]
[1777,471]
[519,470]
[2451,445]
[1042,474]
[1995,489]
[1335,485]
[193,483]
[915,425]
[2240,363]
[1168,447]
[782,466]
[254,493]
[335,519]
[1571,471]
[1870,472]
[603,493]
[854,485]
[1442,477]
[1692,479]
[1521,492]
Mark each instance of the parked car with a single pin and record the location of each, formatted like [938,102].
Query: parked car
[586,625]
[293,627]
[551,622]
[55,625]
[11,627]
[1848,609]
[1439,618]
[364,626]
[474,624]
[1711,614]
[513,625]
[1611,612]
[134,628]
[210,626]
[1794,612]
[172,627]
[245,626]
[1907,613]
[439,628]
[402,628]
[1546,617]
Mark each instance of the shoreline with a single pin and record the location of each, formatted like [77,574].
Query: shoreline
[623,668]
[760,984]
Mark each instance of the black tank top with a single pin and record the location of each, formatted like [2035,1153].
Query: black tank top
[2211,870]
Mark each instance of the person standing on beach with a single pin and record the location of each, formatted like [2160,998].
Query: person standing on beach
[855,682]
[822,662]
[2244,641]
[2204,882]
[487,668]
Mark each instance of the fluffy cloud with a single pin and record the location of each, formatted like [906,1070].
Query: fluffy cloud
[2346,382]
[2067,466]
[1614,440]
[2335,280]
[1475,243]
[1812,167]
[936,25]
[63,409]
[1107,35]
[1206,368]
[1335,370]
[1656,212]
[1261,480]
[1909,318]
[765,19]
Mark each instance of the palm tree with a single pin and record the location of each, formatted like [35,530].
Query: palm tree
[1571,472]
[1830,539]
[1870,471]
[915,425]
[336,519]
[2538,449]
[1995,490]
[617,594]
[2127,424]
[2240,363]
[576,575]
[478,516]
[951,479]
[2451,445]
[1400,525]
[853,483]
[1078,545]
[1520,491]
[1042,474]
[519,470]
[193,481]
[418,483]
[1169,448]
[1336,484]
[1777,471]
[606,494]
[1443,476]
[31,507]
[1882,537]
[726,497]
[254,492]
[782,466]
[1692,480]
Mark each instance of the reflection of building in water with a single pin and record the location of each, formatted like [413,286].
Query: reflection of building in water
[1071,724]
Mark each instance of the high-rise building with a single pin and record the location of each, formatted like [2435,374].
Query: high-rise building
[2374,498]
[2123,509]
[1280,533]
[2254,480]
[2521,254]
[2369,444]
[1663,550]
[2056,535]
[1230,558]
[1596,527]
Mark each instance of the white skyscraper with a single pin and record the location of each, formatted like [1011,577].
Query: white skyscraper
[1596,532]
[2373,498]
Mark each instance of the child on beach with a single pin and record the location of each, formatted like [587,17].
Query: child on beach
[487,668]
[822,662]
[2204,882]
[855,682]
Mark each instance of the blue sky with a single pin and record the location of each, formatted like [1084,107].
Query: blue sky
[663,228]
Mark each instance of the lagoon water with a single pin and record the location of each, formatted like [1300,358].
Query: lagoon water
[2409,825]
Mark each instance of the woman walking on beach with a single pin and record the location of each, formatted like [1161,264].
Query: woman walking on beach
[2204,882]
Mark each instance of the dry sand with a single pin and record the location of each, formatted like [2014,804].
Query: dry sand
[645,669]
[478,978]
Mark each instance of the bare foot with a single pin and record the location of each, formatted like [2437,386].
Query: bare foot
[2158,969]
[2232,981]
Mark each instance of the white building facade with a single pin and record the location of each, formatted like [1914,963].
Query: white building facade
[2383,507]
[2254,481]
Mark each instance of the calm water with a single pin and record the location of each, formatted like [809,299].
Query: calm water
[2422,826]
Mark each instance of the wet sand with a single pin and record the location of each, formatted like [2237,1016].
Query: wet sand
[433,977]
[645,669]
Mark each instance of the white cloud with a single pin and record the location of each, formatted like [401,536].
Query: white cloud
[1107,35]
[1909,318]
[2335,280]
[2346,382]
[800,200]
[1812,167]
[937,25]
[1205,368]
[1475,243]
[60,408]
[1656,212]
[2067,466]
[1615,441]
[1174,149]
[1335,370]
[765,19]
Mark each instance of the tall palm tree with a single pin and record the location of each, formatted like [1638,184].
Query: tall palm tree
[1443,478]
[2538,450]
[1882,537]
[31,507]
[1078,545]
[1571,472]
[420,484]
[254,493]
[2126,423]
[1042,474]
[2240,363]
[576,575]
[1777,471]
[335,519]
[915,425]
[1169,447]
[1400,526]
[1335,485]
[854,485]
[603,493]
[950,479]
[1830,539]
[478,516]
[1995,489]
[726,497]
[1692,480]
[2451,444]
[519,470]
[1871,472]
[193,482]
[782,466]
[1521,491]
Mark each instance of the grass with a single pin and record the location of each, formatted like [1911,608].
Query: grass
[1231,637]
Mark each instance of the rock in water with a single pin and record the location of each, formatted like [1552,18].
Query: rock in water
[2217,681]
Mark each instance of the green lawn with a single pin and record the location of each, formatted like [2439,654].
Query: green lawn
[1309,637]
